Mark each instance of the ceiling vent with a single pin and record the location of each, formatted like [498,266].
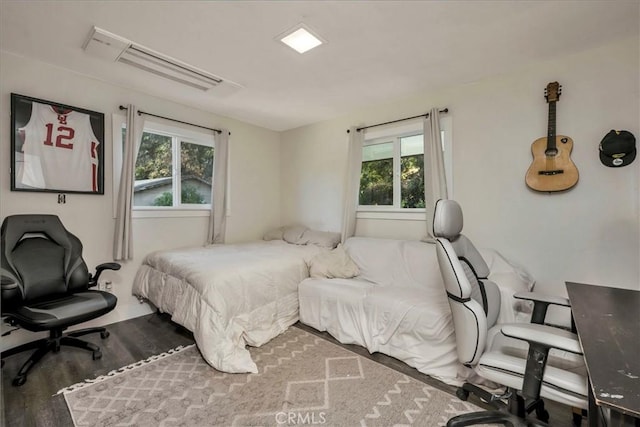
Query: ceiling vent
[112,47]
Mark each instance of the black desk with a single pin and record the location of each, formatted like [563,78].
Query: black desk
[608,324]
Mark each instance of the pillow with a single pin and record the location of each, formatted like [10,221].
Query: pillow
[325,239]
[333,265]
[511,278]
[293,234]
[275,234]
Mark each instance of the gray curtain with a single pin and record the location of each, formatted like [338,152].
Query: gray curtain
[435,181]
[123,234]
[218,216]
[352,185]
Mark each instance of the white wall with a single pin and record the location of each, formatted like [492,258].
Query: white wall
[588,234]
[254,169]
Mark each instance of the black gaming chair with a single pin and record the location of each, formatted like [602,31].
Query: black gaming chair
[45,286]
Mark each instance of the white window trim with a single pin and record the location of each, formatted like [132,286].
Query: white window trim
[408,214]
[186,135]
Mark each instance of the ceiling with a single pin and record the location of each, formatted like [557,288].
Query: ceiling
[375,51]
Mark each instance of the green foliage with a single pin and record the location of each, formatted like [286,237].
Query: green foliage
[190,195]
[196,160]
[154,157]
[165,199]
[376,182]
[412,182]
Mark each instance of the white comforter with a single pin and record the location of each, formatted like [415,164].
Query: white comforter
[228,295]
[398,306]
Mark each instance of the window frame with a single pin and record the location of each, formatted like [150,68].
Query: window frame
[178,135]
[394,134]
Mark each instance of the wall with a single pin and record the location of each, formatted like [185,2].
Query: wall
[254,177]
[587,234]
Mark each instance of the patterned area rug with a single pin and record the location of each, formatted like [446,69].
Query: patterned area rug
[302,380]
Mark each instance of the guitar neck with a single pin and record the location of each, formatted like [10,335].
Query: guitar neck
[551,129]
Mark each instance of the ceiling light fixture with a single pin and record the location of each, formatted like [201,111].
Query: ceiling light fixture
[300,39]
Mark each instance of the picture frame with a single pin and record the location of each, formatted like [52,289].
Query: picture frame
[56,147]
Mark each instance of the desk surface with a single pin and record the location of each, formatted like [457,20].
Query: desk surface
[608,324]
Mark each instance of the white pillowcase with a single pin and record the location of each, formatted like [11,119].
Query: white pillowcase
[325,239]
[301,235]
[293,234]
[333,265]
[275,234]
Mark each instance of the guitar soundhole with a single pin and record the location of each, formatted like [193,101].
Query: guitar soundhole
[550,152]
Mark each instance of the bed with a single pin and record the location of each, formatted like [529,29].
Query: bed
[229,295]
[394,302]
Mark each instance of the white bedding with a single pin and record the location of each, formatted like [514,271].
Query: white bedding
[228,295]
[398,306]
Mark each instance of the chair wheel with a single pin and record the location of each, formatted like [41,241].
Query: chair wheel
[19,380]
[462,394]
[542,415]
[97,355]
[104,334]
[577,420]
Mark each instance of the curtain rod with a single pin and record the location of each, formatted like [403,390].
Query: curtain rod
[446,110]
[122,107]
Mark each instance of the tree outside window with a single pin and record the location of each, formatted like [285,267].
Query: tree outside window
[157,180]
[376,177]
[412,172]
[393,173]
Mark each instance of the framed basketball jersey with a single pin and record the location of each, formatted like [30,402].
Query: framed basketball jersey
[56,147]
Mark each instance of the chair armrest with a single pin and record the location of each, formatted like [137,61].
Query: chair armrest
[544,336]
[541,303]
[11,292]
[7,283]
[549,299]
[100,268]
[541,338]
[107,266]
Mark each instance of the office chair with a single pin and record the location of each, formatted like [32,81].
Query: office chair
[532,360]
[45,286]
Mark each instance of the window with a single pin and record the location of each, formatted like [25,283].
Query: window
[167,166]
[173,170]
[383,160]
[392,176]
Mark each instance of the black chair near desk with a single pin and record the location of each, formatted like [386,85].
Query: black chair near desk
[45,286]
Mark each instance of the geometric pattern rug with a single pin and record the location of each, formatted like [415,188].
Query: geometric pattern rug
[302,380]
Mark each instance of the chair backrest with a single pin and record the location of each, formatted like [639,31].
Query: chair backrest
[474,300]
[41,257]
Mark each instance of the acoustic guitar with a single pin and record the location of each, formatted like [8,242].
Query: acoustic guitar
[552,168]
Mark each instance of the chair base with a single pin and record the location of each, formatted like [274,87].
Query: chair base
[53,343]
[513,413]
[493,417]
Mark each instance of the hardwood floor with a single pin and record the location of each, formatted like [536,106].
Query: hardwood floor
[36,404]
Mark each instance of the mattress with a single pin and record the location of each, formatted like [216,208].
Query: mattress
[229,296]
